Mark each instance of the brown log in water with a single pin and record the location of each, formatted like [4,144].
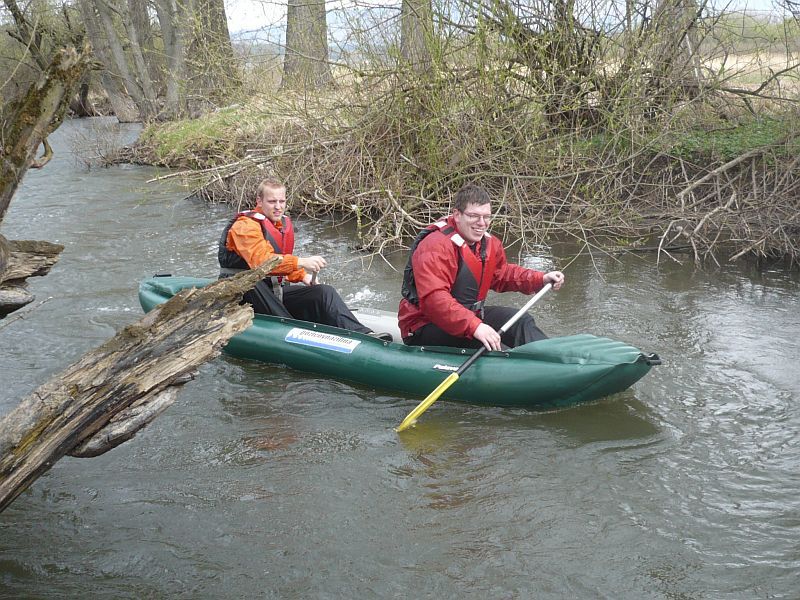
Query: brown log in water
[140,362]
[20,259]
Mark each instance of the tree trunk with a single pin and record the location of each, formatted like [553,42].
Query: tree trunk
[214,19]
[127,423]
[80,105]
[5,254]
[112,40]
[38,113]
[140,362]
[125,108]
[195,68]
[170,15]
[675,63]
[416,33]
[138,63]
[140,18]
[25,125]
[306,61]
[211,64]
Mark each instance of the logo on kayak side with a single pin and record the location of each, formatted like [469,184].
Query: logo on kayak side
[445,368]
[318,339]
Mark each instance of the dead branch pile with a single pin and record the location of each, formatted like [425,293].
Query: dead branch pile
[392,177]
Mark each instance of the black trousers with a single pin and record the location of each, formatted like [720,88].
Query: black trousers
[522,332]
[314,303]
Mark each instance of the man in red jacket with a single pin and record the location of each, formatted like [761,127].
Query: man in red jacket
[453,265]
[254,236]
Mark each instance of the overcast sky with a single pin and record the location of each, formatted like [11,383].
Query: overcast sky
[249,15]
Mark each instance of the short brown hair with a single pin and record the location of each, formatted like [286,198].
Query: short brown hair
[272,183]
[470,194]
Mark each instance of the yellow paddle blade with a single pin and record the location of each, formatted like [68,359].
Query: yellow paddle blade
[423,406]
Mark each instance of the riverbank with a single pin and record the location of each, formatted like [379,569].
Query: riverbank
[710,179]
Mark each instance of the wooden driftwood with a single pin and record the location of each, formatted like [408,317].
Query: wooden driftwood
[20,259]
[140,362]
[128,422]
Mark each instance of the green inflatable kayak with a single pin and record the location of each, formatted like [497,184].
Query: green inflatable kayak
[550,373]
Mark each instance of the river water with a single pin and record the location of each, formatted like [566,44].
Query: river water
[261,482]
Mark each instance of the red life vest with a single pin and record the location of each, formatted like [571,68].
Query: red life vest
[474,276]
[282,240]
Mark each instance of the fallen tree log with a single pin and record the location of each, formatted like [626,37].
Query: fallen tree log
[141,361]
[20,259]
[29,258]
[126,423]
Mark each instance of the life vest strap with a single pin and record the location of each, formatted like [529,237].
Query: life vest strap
[477,308]
[277,283]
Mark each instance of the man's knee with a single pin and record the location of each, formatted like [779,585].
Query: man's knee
[326,294]
[325,289]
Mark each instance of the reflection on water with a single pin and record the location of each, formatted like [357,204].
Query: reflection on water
[264,482]
[622,419]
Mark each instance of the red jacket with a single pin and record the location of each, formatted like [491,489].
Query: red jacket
[435,263]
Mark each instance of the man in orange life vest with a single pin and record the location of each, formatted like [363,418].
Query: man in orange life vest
[254,236]
[453,265]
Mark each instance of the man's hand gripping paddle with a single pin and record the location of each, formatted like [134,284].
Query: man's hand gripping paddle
[453,377]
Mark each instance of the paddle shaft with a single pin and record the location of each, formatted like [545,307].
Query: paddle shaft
[508,324]
[411,418]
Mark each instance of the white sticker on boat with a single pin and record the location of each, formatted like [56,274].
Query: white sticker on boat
[445,368]
[318,339]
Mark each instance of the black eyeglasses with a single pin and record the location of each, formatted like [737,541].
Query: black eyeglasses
[474,217]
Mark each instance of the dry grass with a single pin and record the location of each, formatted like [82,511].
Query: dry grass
[750,70]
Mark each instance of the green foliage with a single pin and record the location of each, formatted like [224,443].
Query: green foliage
[728,143]
[214,138]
